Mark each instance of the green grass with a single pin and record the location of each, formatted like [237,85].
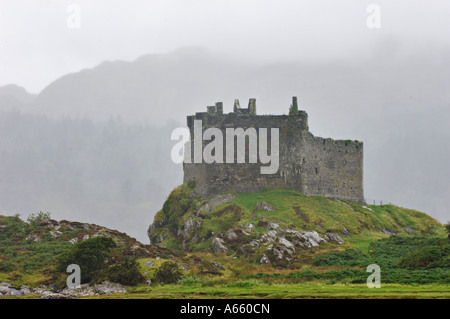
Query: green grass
[336,215]
[283,291]
[363,240]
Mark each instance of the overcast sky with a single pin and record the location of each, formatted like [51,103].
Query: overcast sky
[37,46]
[387,86]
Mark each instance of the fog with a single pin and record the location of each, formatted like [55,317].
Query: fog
[37,45]
[86,113]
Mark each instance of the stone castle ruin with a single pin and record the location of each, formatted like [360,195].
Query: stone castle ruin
[312,165]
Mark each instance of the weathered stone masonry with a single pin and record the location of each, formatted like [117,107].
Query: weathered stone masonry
[309,164]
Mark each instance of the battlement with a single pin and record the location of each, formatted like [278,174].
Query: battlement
[244,117]
[217,109]
[310,164]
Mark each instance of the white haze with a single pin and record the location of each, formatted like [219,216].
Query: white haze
[168,59]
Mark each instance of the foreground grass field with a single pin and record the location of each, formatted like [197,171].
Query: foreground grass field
[283,291]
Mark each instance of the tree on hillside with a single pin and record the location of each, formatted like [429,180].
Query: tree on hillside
[90,255]
[447,226]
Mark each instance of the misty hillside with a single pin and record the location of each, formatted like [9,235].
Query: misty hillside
[109,172]
[13,97]
[95,145]
[158,87]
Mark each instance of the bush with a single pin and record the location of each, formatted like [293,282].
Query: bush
[6,266]
[426,257]
[125,272]
[36,220]
[13,232]
[308,274]
[168,273]
[90,255]
[293,110]
[349,257]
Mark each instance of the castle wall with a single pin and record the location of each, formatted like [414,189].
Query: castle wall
[309,164]
[246,177]
[333,168]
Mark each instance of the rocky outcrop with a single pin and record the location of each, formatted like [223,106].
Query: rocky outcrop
[264,206]
[218,245]
[283,243]
[387,232]
[189,226]
[272,225]
[105,288]
[108,288]
[346,232]
[156,225]
[231,235]
[216,201]
[333,237]
[277,245]
[153,228]
[64,231]
[188,232]
[6,290]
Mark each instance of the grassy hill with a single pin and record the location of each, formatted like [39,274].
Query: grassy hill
[409,246]
[30,251]
[357,224]
[269,244]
